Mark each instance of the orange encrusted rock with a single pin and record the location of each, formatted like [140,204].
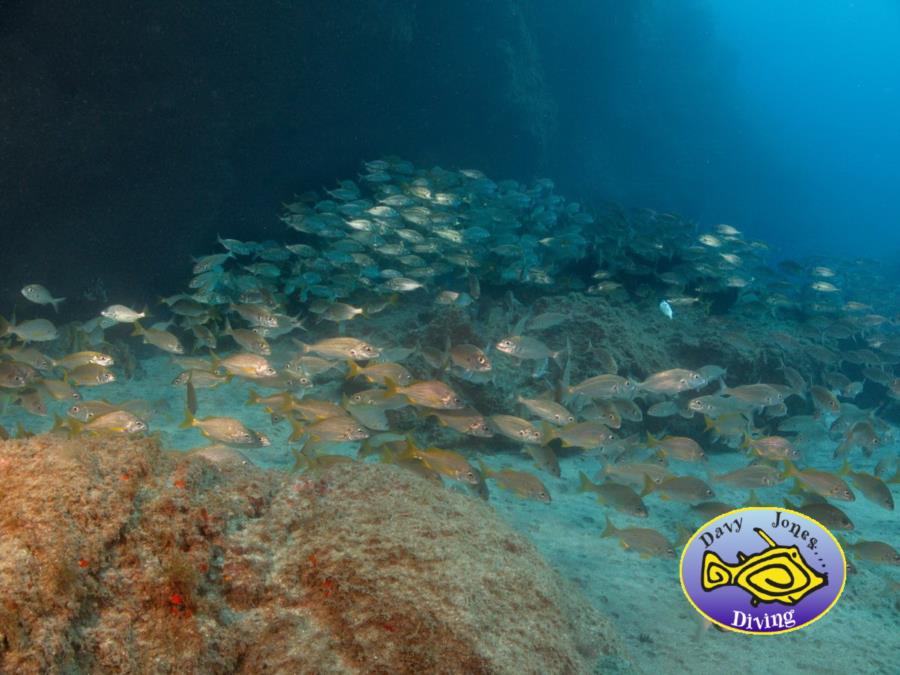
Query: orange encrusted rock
[118,557]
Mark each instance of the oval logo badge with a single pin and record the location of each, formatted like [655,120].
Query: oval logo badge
[763,570]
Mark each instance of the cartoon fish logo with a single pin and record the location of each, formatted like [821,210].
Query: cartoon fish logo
[775,574]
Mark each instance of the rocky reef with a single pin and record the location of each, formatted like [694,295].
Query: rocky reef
[117,556]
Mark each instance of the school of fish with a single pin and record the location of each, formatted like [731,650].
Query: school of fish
[441,321]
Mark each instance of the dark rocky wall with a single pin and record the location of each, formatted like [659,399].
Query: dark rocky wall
[132,133]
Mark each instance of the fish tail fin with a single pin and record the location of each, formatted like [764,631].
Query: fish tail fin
[584,483]
[409,451]
[484,469]
[188,419]
[789,469]
[253,397]
[5,327]
[708,423]
[353,369]
[683,535]
[548,433]
[55,302]
[715,572]
[652,441]
[298,429]
[845,468]
[75,427]
[367,449]
[300,461]
[137,329]
[648,486]
[391,387]
[842,450]
[797,489]
[58,423]
[610,530]
[565,383]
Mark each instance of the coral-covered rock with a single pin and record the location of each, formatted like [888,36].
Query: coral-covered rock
[118,557]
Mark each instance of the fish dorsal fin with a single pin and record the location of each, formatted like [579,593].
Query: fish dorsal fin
[519,328]
[766,538]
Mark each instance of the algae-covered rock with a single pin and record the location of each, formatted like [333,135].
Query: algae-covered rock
[118,557]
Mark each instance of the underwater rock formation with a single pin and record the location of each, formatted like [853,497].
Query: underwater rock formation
[116,556]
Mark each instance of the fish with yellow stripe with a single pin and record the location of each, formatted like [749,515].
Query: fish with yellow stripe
[775,574]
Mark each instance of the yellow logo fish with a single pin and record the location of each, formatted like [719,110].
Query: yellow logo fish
[775,574]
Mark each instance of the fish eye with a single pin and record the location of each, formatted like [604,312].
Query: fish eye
[570,419]
[74,409]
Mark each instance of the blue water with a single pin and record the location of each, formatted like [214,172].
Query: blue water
[819,84]
[127,151]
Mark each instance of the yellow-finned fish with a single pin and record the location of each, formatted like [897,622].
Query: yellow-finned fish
[775,574]
[521,483]
[161,339]
[647,542]
[445,462]
[620,497]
